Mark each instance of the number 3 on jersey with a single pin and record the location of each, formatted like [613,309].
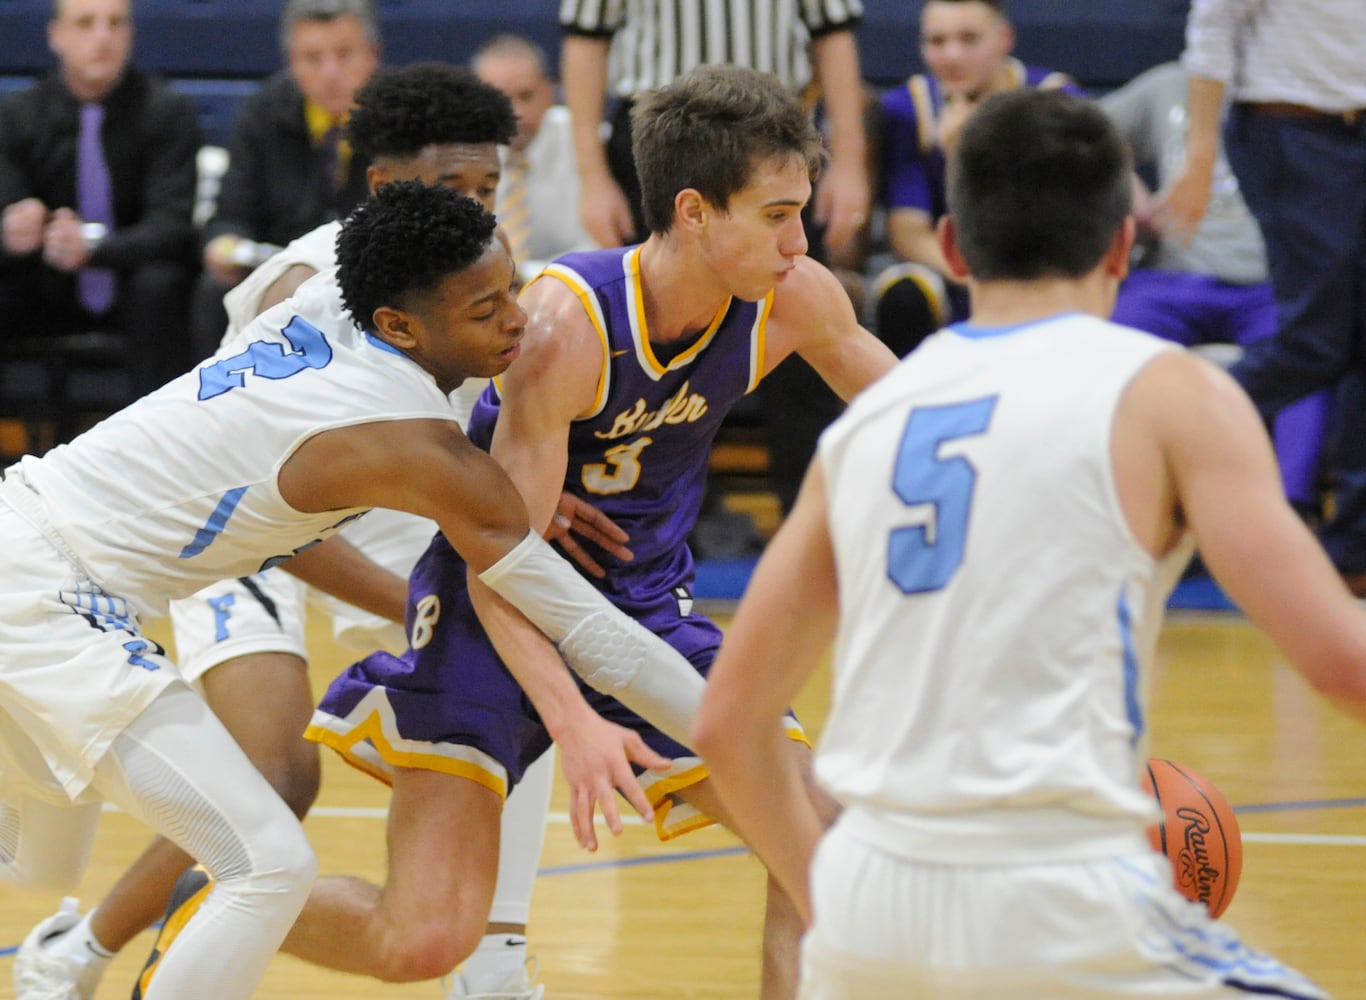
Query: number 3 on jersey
[925,557]
[267,360]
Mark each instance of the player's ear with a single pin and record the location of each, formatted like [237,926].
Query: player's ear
[394,327]
[1117,257]
[690,209]
[375,177]
[948,243]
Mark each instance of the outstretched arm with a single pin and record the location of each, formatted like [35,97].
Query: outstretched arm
[783,627]
[337,567]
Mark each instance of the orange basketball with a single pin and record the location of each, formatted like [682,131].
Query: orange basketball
[1198,833]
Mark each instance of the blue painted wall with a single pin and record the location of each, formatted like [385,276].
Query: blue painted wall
[201,42]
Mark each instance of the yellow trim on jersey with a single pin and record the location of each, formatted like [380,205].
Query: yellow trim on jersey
[1018,74]
[918,86]
[640,331]
[372,728]
[662,792]
[593,308]
[758,343]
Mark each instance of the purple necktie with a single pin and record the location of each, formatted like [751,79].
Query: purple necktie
[94,203]
[331,150]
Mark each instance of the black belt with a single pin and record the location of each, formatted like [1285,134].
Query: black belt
[1288,109]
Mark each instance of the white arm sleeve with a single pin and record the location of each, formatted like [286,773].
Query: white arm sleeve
[611,652]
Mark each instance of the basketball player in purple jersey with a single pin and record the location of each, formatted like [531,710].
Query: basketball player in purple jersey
[632,358]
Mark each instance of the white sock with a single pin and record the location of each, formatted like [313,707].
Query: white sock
[494,962]
[81,944]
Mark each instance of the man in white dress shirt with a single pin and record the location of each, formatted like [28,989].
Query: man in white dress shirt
[1295,135]
[543,147]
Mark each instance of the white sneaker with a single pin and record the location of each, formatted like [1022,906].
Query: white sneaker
[521,985]
[41,975]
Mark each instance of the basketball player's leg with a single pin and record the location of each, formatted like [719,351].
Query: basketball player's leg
[501,956]
[45,840]
[241,641]
[264,700]
[442,849]
[178,769]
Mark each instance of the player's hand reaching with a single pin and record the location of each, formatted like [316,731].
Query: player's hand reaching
[595,757]
[574,516]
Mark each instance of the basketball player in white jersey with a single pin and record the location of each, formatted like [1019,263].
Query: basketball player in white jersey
[231,469]
[241,636]
[989,534]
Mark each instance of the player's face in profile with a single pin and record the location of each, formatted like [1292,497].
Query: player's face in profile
[472,326]
[964,45]
[755,243]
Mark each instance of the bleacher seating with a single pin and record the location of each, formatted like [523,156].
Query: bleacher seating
[216,50]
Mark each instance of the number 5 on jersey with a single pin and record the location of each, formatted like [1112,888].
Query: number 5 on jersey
[924,557]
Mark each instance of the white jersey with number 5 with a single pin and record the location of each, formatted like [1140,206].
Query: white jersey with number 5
[997,612]
[179,490]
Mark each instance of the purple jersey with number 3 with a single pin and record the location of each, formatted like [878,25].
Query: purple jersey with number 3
[641,456]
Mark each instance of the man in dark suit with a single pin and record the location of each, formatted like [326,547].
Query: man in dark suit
[97,180]
[289,170]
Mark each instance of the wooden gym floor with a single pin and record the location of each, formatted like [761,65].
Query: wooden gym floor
[642,920]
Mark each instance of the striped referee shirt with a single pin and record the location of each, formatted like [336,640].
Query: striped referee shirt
[1306,52]
[656,41]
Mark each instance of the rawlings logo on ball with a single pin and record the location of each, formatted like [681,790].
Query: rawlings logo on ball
[1195,876]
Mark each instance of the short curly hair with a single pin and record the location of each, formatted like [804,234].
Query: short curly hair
[403,241]
[402,110]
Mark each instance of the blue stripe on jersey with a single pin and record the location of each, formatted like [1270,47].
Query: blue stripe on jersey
[214,526]
[383,345]
[1239,966]
[974,332]
[1132,707]
[1211,945]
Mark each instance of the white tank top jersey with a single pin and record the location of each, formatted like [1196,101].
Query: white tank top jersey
[180,490]
[997,614]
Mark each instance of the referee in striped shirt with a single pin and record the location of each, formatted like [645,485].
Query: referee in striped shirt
[622,47]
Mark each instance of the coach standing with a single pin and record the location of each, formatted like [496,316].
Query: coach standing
[1295,135]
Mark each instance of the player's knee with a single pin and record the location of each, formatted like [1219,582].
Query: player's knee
[287,868]
[298,778]
[431,949]
[278,863]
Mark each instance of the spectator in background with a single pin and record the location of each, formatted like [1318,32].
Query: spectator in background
[1212,289]
[290,168]
[538,192]
[623,49]
[97,180]
[966,46]
[1296,139]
